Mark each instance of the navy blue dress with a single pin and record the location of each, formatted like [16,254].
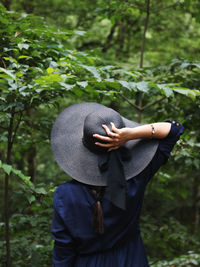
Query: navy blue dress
[76,242]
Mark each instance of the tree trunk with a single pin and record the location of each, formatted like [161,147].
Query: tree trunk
[140,106]
[196,204]
[31,155]
[140,95]
[31,163]
[12,131]
[6,192]
[144,33]
[28,7]
[7,4]
[121,39]
[115,105]
[109,38]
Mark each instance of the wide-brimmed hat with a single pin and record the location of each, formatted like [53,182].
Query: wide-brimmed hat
[78,159]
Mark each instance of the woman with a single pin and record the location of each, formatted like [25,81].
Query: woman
[111,160]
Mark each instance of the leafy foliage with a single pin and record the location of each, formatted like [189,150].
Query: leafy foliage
[43,69]
[189,260]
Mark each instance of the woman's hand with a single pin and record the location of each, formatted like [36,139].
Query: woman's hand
[118,137]
[115,139]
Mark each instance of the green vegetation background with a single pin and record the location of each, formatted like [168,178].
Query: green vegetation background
[138,57]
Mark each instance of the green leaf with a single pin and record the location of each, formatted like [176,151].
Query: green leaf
[20,57]
[47,80]
[111,83]
[50,70]
[30,198]
[143,86]
[21,46]
[10,59]
[19,74]
[8,72]
[128,73]
[165,89]
[197,65]
[82,84]
[81,33]
[7,168]
[41,190]
[186,92]
[93,70]
[196,92]
[125,84]
[67,86]
[25,179]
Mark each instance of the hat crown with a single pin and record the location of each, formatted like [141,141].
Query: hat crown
[93,125]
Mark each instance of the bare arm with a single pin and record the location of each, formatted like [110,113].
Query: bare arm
[118,137]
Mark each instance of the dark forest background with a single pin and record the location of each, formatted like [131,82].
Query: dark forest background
[141,58]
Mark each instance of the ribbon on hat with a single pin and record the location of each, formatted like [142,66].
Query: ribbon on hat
[111,167]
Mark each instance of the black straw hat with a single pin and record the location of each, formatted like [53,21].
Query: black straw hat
[74,149]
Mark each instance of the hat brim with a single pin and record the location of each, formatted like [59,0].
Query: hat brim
[80,163]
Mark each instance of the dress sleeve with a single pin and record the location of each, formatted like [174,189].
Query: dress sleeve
[166,145]
[64,251]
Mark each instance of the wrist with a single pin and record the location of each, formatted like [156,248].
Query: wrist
[128,133]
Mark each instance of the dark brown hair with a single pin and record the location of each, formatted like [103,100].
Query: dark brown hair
[97,192]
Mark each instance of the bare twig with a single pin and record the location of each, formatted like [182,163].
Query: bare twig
[16,128]
[5,128]
[166,7]
[132,104]
[4,64]
[138,5]
[153,103]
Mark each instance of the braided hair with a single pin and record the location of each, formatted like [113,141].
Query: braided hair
[98,223]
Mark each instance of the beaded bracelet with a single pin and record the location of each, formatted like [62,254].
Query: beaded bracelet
[152,130]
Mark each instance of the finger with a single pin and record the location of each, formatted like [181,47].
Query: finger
[103,145]
[114,129]
[109,133]
[103,138]
[113,148]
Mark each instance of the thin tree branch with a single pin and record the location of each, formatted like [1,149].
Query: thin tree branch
[132,104]
[16,128]
[5,128]
[15,112]
[138,5]
[166,7]
[4,64]
[153,103]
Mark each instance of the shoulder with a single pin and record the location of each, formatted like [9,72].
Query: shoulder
[63,191]
[67,187]
[67,193]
